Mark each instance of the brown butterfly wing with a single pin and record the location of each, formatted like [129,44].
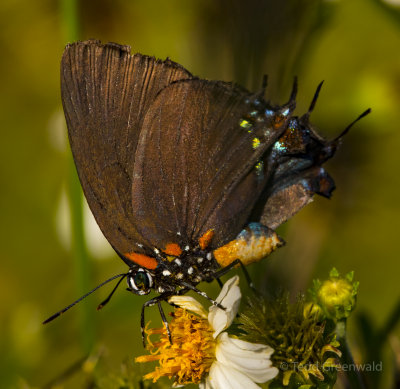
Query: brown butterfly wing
[291,196]
[299,173]
[194,167]
[105,94]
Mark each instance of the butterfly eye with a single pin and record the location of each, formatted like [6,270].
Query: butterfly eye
[140,282]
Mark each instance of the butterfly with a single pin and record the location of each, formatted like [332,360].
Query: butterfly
[185,177]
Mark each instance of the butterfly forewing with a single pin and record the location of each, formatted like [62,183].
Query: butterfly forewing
[105,93]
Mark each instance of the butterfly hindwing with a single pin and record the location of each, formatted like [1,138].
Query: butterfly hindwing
[299,154]
[195,165]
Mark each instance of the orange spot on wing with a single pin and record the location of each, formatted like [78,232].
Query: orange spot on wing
[142,260]
[173,249]
[205,239]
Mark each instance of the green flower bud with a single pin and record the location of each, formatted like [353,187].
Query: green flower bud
[337,295]
[312,310]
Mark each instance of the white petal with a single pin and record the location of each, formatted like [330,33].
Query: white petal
[229,287]
[226,377]
[229,298]
[190,304]
[246,346]
[249,358]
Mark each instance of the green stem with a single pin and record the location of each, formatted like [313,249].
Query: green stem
[70,22]
[81,257]
[353,374]
[70,27]
[390,325]
[379,341]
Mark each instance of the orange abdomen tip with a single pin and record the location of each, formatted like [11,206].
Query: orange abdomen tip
[205,239]
[173,249]
[251,245]
[142,260]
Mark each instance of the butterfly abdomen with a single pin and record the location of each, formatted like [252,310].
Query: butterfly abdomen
[251,245]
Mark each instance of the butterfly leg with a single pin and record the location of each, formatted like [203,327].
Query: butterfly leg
[180,293]
[228,268]
[165,321]
[191,287]
[156,300]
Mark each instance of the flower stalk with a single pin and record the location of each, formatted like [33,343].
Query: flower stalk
[353,375]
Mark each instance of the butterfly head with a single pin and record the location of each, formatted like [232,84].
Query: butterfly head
[140,281]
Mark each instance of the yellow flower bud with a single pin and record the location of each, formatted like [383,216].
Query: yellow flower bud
[337,295]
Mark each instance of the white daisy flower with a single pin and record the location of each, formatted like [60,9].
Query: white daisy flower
[201,352]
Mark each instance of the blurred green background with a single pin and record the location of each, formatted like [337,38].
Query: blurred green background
[354,45]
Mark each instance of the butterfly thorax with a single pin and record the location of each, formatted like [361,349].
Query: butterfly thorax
[174,272]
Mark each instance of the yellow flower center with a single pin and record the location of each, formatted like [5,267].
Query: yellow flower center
[188,359]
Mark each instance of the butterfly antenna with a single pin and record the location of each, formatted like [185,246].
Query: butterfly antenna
[51,318]
[101,305]
[346,130]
